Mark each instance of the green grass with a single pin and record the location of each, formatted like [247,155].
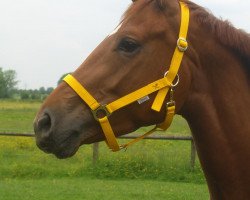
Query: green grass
[147,170]
[17,116]
[157,160]
[85,188]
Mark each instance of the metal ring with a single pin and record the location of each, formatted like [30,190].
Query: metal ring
[102,109]
[177,81]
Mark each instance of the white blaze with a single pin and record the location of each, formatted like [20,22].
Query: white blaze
[116,29]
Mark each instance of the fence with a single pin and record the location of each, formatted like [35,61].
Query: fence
[96,145]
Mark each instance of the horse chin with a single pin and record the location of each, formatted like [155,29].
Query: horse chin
[62,152]
[62,148]
[65,153]
[71,145]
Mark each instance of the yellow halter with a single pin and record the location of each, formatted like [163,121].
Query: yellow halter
[162,86]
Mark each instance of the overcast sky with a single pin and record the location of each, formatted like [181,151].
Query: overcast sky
[43,39]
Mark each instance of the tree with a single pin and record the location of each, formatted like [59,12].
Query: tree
[24,94]
[49,90]
[7,82]
[2,84]
[42,90]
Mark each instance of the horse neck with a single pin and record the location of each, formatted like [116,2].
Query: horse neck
[218,113]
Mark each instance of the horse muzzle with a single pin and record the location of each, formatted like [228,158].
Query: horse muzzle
[51,139]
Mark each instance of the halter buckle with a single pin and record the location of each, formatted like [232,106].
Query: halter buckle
[182,44]
[171,98]
[170,103]
[100,112]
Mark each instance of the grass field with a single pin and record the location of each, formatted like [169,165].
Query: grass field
[79,189]
[148,170]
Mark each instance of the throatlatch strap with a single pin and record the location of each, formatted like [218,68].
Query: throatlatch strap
[139,138]
[177,57]
[163,126]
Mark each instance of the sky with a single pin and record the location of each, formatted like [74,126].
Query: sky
[43,39]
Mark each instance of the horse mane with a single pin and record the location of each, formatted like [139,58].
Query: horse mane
[236,39]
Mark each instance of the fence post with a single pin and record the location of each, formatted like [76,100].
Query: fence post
[193,154]
[95,153]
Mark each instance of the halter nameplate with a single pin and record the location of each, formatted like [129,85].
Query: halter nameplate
[163,86]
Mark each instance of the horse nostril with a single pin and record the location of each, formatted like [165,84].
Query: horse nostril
[43,132]
[44,123]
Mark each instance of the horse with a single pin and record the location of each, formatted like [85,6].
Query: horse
[212,93]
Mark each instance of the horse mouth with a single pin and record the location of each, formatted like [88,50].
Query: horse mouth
[61,149]
[59,152]
[67,147]
[65,153]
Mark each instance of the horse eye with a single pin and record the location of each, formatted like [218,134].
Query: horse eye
[128,45]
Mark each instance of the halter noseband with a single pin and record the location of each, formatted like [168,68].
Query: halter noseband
[161,86]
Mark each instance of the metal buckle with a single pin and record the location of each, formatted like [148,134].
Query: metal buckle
[177,81]
[100,110]
[180,47]
[170,103]
[171,98]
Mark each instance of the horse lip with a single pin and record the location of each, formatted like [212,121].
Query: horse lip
[60,151]
[46,147]
[47,150]
[63,149]
[62,154]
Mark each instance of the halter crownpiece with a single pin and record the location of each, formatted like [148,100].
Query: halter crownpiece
[163,86]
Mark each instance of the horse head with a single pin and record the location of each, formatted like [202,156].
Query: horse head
[136,54]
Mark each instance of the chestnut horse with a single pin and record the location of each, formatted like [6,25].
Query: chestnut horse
[213,93]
